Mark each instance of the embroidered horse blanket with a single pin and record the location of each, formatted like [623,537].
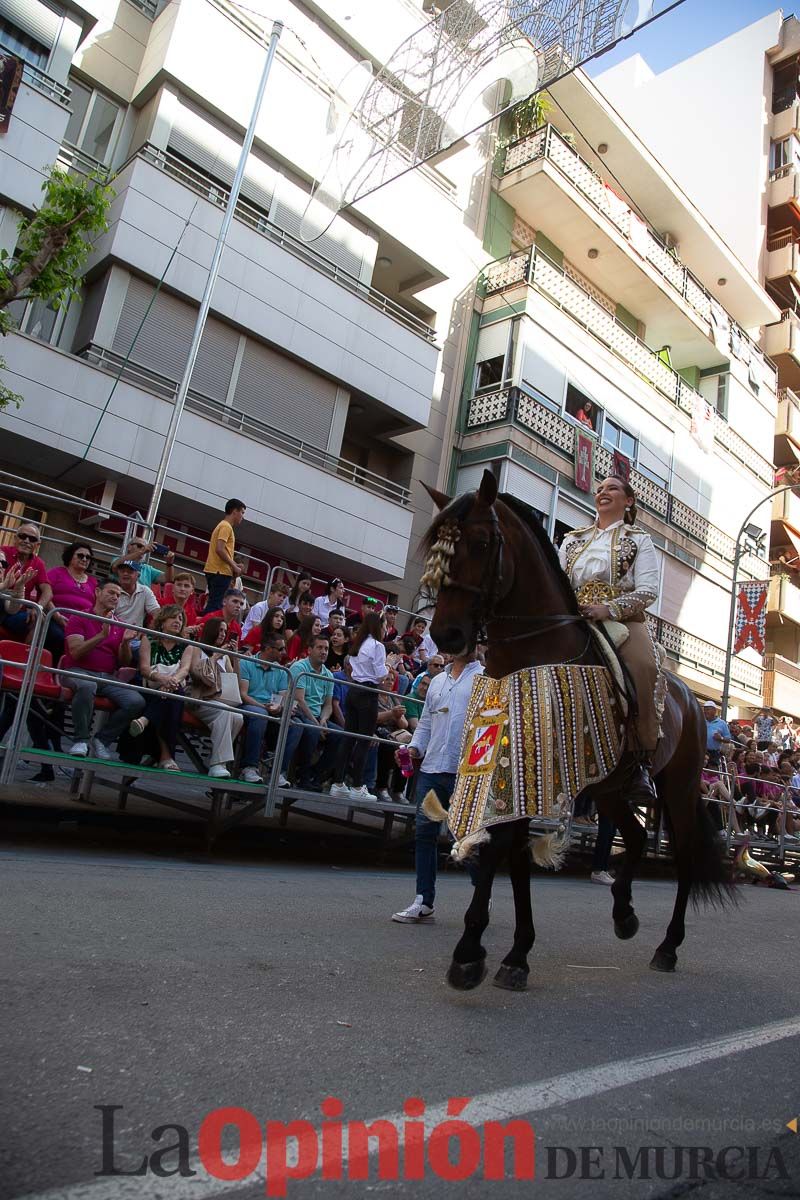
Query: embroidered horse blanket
[532,741]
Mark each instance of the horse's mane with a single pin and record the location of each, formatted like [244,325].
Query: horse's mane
[458,509]
[530,520]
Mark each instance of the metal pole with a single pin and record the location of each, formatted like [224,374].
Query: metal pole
[205,303]
[726,682]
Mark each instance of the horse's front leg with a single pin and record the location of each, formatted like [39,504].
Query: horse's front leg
[513,971]
[468,968]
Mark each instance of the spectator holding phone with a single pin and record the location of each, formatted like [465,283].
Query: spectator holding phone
[136,551]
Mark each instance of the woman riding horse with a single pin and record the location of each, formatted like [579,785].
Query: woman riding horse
[613,568]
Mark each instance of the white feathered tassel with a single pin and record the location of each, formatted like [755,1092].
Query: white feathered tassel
[468,846]
[550,850]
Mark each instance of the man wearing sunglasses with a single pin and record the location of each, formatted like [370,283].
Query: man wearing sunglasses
[24,553]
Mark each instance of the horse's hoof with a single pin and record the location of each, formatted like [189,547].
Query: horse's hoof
[466,976]
[627,928]
[513,979]
[663,962]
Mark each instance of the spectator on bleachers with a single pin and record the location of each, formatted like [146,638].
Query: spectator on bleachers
[73,587]
[231,612]
[339,650]
[312,685]
[182,592]
[717,732]
[368,605]
[336,621]
[136,600]
[391,713]
[273,621]
[368,668]
[300,642]
[98,646]
[135,551]
[215,676]
[763,727]
[389,614]
[13,581]
[784,733]
[24,552]
[221,568]
[302,587]
[305,608]
[414,700]
[737,732]
[263,686]
[332,599]
[164,667]
[258,611]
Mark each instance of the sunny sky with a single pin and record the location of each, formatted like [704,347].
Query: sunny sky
[691,27]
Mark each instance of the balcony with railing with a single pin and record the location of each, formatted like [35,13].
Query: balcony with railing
[531,268]
[547,146]
[788,420]
[783,254]
[782,339]
[782,684]
[695,653]
[784,598]
[33,135]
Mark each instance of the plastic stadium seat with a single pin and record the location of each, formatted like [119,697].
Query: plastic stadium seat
[46,686]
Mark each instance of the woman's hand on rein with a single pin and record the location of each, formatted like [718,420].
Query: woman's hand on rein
[596,612]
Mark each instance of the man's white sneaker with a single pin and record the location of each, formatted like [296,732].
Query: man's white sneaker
[102,751]
[251,775]
[219,771]
[415,914]
[339,791]
[602,877]
[79,749]
[283,781]
[362,793]
[385,796]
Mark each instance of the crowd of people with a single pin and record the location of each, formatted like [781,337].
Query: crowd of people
[202,651]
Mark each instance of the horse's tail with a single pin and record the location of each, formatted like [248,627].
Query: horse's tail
[702,855]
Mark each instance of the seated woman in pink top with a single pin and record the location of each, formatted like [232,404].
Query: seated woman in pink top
[73,587]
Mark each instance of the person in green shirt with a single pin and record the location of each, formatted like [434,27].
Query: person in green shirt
[312,684]
[414,702]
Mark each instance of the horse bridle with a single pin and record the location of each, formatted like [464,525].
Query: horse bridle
[488,595]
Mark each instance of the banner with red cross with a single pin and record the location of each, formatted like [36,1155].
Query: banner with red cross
[751,616]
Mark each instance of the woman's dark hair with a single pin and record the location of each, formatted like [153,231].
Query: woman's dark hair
[304,630]
[408,643]
[68,551]
[294,594]
[269,617]
[371,626]
[211,631]
[630,513]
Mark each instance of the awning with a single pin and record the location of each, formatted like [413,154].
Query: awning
[793,537]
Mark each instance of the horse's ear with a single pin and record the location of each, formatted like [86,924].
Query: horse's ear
[439,499]
[487,492]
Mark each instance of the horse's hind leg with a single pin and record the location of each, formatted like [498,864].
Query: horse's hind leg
[513,971]
[468,968]
[626,923]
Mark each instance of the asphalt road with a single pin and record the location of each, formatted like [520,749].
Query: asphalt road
[172,988]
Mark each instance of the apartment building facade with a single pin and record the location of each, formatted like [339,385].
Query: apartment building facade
[753,124]
[321,392]
[608,285]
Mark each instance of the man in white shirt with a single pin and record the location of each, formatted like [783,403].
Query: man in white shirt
[136,600]
[437,742]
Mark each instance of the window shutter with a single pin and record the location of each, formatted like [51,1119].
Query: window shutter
[38,20]
[285,395]
[342,244]
[163,344]
[208,145]
[531,488]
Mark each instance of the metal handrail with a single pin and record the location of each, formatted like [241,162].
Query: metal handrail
[72,158]
[541,140]
[150,8]
[250,426]
[258,220]
[40,80]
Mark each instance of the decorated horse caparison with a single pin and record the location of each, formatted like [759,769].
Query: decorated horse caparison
[545,720]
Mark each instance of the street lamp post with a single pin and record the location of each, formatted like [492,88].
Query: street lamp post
[205,303]
[737,555]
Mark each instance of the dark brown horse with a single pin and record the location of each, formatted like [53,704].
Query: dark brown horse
[501,572]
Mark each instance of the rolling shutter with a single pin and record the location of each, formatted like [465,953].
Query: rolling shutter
[342,244]
[469,478]
[285,395]
[531,488]
[163,344]
[39,21]
[201,140]
[543,374]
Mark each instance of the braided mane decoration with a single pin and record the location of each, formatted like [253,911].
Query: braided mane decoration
[437,565]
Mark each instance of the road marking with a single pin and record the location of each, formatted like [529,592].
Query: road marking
[501,1105]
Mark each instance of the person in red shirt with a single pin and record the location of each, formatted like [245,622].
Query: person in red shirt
[24,553]
[231,613]
[274,621]
[182,592]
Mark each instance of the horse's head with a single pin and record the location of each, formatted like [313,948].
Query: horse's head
[465,571]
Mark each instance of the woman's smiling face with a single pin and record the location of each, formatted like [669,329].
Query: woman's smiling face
[610,499]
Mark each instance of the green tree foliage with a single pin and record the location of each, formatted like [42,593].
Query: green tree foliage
[52,247]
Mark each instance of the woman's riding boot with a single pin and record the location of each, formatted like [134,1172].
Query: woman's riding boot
[639,786]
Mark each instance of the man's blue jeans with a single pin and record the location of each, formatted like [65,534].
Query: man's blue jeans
[255,726]
[427,831]
[302,739]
